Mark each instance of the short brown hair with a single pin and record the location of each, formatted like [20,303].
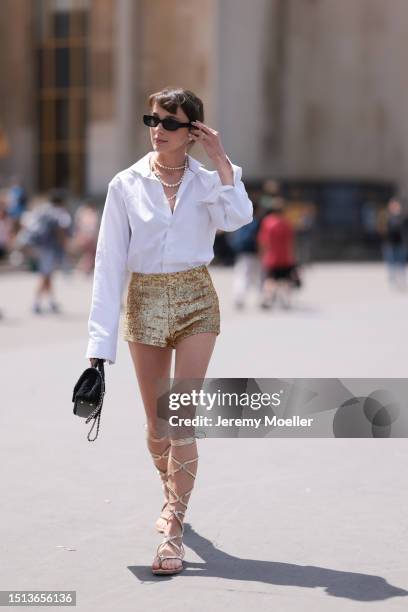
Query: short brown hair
[170,98]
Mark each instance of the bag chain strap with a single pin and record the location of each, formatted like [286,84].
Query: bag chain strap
[96,413]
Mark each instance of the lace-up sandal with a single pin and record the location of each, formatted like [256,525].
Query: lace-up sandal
[176,496]
[161,462]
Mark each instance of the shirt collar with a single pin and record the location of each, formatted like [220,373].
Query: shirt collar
[142,165]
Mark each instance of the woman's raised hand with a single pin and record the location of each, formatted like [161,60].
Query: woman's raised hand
[209,138]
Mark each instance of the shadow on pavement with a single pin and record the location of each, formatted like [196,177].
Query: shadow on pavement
[218,564]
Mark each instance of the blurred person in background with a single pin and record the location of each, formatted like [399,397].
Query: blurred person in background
[276,239]
[271,188]
[85,235]
[17,202]
[223,252]
[6,228]
[45,235]
[394,247]
[23,248]
[302,215]
[247,267]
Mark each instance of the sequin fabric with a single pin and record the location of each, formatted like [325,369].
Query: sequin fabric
[163,308]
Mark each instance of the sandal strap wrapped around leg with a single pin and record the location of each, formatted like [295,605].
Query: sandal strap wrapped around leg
[178,501]
[168,540]
[161,471]
[180,467]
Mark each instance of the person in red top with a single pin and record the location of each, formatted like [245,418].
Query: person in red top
[275,240]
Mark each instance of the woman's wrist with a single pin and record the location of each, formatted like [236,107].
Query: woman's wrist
[224,169]
[93,360]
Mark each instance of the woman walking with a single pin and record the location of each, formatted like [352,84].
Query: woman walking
[159,223]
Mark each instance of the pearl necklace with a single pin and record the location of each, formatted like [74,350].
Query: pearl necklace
[170,184]
[169,167]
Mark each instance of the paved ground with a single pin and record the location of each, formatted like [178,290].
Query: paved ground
[282,524]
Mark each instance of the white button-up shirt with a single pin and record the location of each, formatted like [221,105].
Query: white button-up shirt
[140,233]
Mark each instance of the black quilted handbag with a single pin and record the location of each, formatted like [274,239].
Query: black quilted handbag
[88,395]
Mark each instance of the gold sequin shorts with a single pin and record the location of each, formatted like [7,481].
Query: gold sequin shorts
[165,307]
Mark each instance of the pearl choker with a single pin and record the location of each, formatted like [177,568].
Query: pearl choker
[170,167]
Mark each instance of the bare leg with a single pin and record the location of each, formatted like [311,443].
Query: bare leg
[50,291]
[192,358]
[47,284]
[42,289]
[269,291]
[151,363]
[285,293]
[241,279]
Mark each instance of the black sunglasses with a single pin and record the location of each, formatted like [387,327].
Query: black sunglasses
[168,122]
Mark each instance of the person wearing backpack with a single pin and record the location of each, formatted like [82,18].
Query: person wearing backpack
[47,234]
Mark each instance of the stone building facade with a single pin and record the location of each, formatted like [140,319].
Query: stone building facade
[297,88]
